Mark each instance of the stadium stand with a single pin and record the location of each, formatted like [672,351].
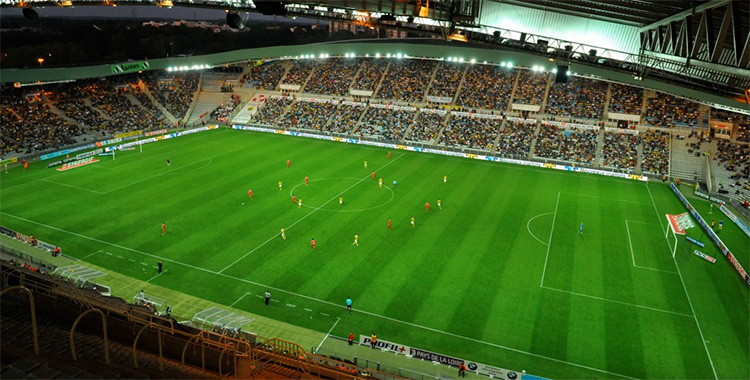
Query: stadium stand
[307,115]
[626,99]
[272,110]
[470,132]
[345,118]
[569,145]
[655,152]
[370,73]
[515,140]
[265,76]
[447,79]
[385,123]
[28,128]
[299,71]
[665,110]
[487,87]
[175,93]
[531,87]
[332,77]
[407,80]
[578,98]
[426,127]
[620,150]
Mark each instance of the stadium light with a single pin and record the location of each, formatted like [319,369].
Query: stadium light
[503,64]
[510,65]
[473,60]
[388,55]
[461,59]
[377,55]
[399,56]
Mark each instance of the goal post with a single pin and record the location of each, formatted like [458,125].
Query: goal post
[677,225]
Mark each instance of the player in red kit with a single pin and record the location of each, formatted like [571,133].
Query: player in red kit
[306,181]
[288,163]
[312,243]
[390,224]
[373,175]
[163,229]
[294,199]
[389,154]
[250,193]
[25,164]
[427,206]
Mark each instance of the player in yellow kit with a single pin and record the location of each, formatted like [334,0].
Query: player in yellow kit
[283,234]
[341,201]
[356,240]
[280,186]
[412,221]
[380,182]
[440,205]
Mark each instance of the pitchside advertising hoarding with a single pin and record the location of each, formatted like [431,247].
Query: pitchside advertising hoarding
[416,353]
[270,129]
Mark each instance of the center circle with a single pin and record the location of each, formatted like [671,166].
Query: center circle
[358,194]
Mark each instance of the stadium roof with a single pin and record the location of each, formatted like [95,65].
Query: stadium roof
[698,43]
[628,12]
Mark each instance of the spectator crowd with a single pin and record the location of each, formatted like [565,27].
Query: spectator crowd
[620,150]
[487,87]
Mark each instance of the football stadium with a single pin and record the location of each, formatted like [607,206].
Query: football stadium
[485,189]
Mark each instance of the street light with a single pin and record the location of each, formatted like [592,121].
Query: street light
[171,45]
[40,60]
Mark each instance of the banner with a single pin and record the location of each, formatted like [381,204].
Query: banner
[393,107]
[526,107]
[704,256]
[622,130]
[706,196]
[439,99]
[735,219]
[78,163]
[360,92]
[153,133]
[129,67]
[416,353]
[438,112]
[521,120]
[563,124]
[476,115]
[129,134]
[680,223]
[290,87]
[9,161]
[623,116]
[384,345]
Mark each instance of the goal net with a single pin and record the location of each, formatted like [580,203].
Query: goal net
[678,224]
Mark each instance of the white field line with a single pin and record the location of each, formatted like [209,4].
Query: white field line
[239,299]
[549,243]
[627,228]
[528,228]
[328,334]
[71,186]
[695,317]
[335,197]
[490,344]
[619,302]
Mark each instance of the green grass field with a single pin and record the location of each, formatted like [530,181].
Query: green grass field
[499,276]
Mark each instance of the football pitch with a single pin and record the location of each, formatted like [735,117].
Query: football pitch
[498,275]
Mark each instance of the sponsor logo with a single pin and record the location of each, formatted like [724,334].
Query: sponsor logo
[512,375]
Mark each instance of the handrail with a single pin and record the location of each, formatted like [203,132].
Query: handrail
[104,329]
[33,313]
